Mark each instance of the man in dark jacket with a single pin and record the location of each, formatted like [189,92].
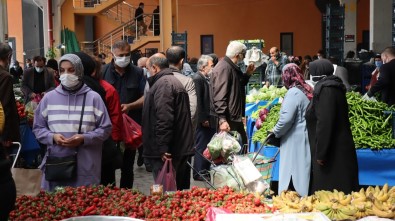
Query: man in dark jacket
[228,89]
[167,127]
[38,80]
[10,133]
[205,128]
[386,82]
[129,82]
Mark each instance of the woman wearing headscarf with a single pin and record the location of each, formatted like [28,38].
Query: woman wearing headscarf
[295,159]
[57,121]
[334,159]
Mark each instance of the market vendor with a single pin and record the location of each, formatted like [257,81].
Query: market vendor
[386,81]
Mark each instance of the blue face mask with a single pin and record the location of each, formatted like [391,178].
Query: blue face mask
[378,63]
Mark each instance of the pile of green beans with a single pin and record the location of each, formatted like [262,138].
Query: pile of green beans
[370,127]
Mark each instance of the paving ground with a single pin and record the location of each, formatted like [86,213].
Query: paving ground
[143,179]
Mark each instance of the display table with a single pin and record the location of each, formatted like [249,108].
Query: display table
[375,167]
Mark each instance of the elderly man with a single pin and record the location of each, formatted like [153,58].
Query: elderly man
[206,126]
[274,68]
[175,56]
[227,84]
[167,128]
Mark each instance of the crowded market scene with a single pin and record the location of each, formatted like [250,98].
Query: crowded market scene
[197,110]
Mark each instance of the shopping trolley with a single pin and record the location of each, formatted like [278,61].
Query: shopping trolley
[225,174]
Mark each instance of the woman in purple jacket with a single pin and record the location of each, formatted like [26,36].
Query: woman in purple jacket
[57,119]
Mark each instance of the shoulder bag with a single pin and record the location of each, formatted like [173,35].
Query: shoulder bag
[63,168]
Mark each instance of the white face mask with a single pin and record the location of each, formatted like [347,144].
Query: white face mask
[122,61]
[38,69]
[69,80]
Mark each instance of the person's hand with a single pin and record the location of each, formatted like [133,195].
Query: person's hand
[74,141]
[224,126]
[6,143]
[166,156]
[367,98]
[32,95]
[59,139]
[125,108]
[206,124]
[250,69]
[321,162]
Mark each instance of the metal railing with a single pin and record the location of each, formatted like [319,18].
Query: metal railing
[122,12]
[86,3]
[129,31]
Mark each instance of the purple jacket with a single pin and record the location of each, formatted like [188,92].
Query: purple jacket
[60,112]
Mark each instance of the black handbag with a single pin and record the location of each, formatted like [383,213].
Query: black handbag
[63,168]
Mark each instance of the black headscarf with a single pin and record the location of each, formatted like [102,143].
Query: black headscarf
[89,66]
[320,68]
[322,71]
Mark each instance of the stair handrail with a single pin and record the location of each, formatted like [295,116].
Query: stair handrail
[101,42]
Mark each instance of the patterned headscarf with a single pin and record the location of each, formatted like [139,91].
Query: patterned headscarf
[293,77]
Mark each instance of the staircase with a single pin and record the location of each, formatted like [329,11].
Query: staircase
[121,12]
[128,32]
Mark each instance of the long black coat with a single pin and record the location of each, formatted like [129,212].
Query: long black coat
[167,125]
[330,139]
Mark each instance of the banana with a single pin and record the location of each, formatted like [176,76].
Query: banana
[346,201]
[348,210]
[377,189]
[282,195]
[358,200]
[392,190]
[362,191]
[322,206]
[383,198]
[385,188]
[383,214]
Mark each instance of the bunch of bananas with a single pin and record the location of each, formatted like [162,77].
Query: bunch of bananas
[291,202]
[338,206]
[375,201]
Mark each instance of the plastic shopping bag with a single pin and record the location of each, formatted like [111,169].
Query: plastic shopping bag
[223,144]
[212,213]
[167,177]
[131,132]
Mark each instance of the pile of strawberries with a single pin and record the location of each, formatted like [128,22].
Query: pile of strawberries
[112,201]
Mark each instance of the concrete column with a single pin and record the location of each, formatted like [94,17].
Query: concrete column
[3,20]
[350,25]
[380,24]
[166,26]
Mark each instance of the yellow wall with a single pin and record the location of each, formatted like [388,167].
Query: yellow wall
[237,19]
[15,27]
[68,15]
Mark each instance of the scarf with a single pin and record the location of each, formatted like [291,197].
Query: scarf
[293,77]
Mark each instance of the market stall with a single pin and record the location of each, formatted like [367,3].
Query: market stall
[371,125]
